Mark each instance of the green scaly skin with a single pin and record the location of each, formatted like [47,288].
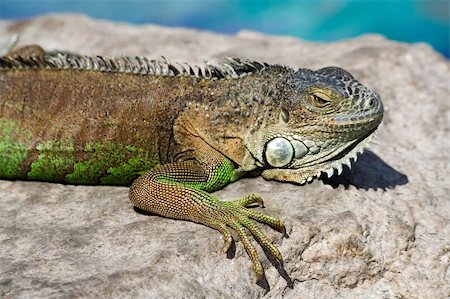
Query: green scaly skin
[177,132]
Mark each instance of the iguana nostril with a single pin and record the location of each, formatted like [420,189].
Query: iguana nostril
[370,103]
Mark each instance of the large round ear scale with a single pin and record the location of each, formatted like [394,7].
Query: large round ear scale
[279,152]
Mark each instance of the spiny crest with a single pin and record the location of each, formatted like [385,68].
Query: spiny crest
[231,68]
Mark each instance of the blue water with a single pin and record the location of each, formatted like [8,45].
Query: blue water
[409,21]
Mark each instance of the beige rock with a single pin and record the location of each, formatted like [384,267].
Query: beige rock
[380,230]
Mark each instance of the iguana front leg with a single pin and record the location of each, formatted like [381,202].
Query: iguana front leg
[179,190]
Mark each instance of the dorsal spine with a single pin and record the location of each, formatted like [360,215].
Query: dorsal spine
[230,69]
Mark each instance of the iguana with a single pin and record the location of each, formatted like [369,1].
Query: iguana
[177,132]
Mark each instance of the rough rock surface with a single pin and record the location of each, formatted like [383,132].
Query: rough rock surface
[380,230]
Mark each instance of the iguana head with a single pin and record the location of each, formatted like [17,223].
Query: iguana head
[322,120]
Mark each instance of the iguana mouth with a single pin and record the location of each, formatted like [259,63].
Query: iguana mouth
[345,155]
[342,152]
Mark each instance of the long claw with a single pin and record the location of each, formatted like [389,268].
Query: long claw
[227,244]
[227,238]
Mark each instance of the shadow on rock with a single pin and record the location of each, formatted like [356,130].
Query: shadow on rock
[368,172]
[143,212]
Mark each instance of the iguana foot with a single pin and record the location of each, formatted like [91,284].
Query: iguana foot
[176,191]
[236,215]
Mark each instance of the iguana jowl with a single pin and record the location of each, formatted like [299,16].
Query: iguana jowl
[178,132]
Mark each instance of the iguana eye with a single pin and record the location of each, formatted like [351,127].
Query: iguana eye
[279,152]
[320,100]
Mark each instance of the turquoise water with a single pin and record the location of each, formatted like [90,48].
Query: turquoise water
[409,21]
